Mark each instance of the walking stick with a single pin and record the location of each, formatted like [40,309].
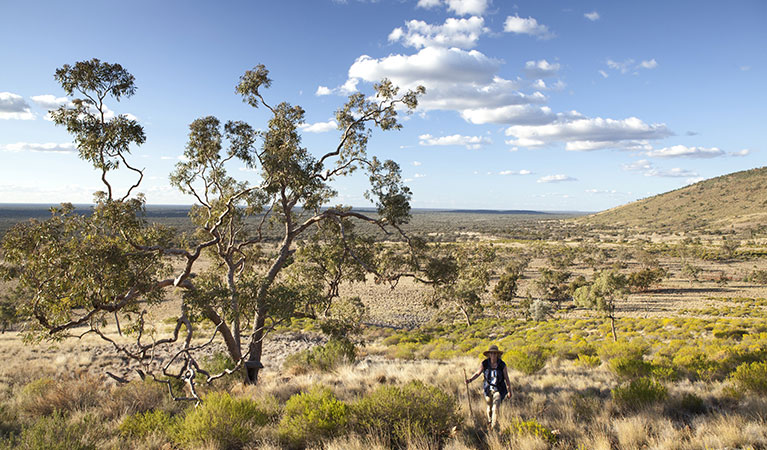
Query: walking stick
[468,395]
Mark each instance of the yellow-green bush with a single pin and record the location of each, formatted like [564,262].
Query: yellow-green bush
[751,377]
[528,360]
[398,414]
[588,361]
[639,393]
[322,357]
[142,424]
[530,427]
[312,416]
[629,367]
[54,432]
[222,420]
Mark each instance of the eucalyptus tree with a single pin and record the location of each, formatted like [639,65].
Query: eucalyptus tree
[77,273]
[602,294]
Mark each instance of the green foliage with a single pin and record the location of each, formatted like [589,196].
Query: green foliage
[608,286]
[532,427]
[141,424]
[553,285]
[751,377]
[635,349]
[397,414]
[688,404]
[334,353]
[222,420]
[695,364]
[54,432]
[508,283]
[643,279]
[312,416]
[528,360]
[588,360]
[629,368]
[639,393]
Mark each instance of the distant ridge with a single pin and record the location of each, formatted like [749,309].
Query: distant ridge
[736,200]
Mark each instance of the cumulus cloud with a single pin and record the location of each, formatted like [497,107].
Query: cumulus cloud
[648,169]
[417,163]
[556,178]
[460,7]
[681,151]
[14,107]
[582,133]
[49,101]
[323,90]
[511,114]
[629,65]
[515,172]
[461,33]
[470,142]
[49,147]
[540,69]
[744,152]
[592,16]
[319,127]
[349,87]
[520,25]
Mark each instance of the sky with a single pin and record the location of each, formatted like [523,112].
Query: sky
[545,105]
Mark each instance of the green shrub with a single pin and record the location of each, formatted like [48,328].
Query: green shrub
[588,361]
[44,396]
[9,421]
[530,427]
[322,357]
[751,377]
[398,414]
[690,404]
[221,420]
[312,416]
[53,432]
[629,368]
[528,360]
[403,350]
[757,277]
[695,364]
[623,349]
[638,393]
[142,424]
[135,397]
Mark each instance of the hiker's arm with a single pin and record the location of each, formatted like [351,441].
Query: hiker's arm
[508,382]
[474,375]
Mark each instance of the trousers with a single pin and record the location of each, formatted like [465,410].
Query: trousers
[493,405]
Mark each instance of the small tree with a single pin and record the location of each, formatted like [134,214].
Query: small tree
[508,283]
[553,285]
[602,294]
[80,271]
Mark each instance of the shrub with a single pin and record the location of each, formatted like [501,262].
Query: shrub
[142,424]
[527,360]
[642,280]
[9,422]
[695,364]
[397,414]
[639,393]
[221,420]
[629,368]
[312,416]
[530,427]
[588,360]
[757,277]
[625,349]
[53,432]
[134,397]
[751,377]
[322,357]
[687,405]
[44,396]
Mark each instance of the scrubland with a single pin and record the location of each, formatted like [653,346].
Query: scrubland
[688,371]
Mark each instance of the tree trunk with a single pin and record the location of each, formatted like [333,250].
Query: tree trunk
[253,364]
[612,326]
[465,315]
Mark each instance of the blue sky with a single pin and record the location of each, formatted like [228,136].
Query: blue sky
[548,105]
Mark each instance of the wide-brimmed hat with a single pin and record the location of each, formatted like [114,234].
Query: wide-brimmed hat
[493,349]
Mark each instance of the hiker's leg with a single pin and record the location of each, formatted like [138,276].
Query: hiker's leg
[496,404]
[489,409]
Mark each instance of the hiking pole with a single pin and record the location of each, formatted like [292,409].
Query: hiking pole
[468,395]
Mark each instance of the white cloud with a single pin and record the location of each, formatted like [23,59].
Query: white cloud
[455,79]
[744,152]
[417,163]
[470,142]
[540,69]
[514,172]
[419,175]
[592,16]
[648,169]
[586,133]
[603,73]
[323,90]
[14,107]
[319,127]
[519,25]
[679,151]
[556,178]
[460,7]
[628,65]
[601,191]
[49,101]
[349,87]
[49,147]
[511,114]
[461,33]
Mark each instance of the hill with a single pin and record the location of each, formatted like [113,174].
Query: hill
[737,200]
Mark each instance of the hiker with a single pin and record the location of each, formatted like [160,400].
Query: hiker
[497,385]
